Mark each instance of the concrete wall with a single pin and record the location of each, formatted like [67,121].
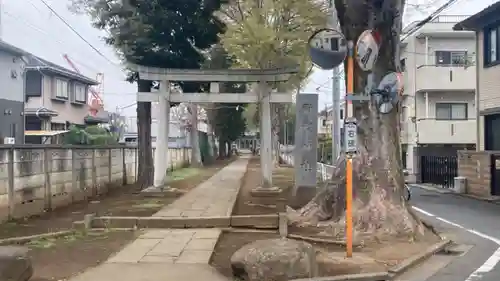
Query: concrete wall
[476,167]
[34,179]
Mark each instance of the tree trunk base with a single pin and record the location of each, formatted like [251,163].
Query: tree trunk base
[378,218]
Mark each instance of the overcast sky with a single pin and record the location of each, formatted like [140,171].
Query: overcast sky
[30,25]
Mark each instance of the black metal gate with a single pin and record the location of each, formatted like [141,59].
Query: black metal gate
[495,175]
[439,170]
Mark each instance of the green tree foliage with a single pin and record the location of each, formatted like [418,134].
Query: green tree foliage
[272,34]
[228,119]
[92,135]
[269,33]
[159,33]
[229,124]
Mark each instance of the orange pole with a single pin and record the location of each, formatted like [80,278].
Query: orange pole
[349,114]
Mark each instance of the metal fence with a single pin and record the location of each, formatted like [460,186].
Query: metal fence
[324,171]
[439,170]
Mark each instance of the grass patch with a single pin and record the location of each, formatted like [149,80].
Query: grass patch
[184,173]
[46,243]
[148,204]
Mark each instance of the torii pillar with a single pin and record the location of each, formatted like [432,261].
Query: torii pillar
[260,93]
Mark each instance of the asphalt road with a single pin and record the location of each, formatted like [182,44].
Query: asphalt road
[472,223]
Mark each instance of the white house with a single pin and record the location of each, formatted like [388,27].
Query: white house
[438,116]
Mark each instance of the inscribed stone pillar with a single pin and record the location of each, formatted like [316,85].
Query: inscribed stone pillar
[306,146]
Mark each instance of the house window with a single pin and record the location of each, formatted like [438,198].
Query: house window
[451,58]
[403,65]
[61,88]
[491,43]
[451,111]
[80,93]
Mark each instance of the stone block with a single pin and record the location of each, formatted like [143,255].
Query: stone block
[161,222]
[114,222]
[265,192]
[15,264]
[256,221]
[201,244]
[157,259]
[195,257]
[134,251]
[207,234]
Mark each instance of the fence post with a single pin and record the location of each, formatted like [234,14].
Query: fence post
[124,166]
[10,191]
[110,165]
[74,175]
[136,164]
[94,174]
[47,159]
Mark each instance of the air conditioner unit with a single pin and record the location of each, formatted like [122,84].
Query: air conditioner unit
[9,140]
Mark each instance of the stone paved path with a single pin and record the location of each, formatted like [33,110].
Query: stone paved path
[214,197]
[173,254]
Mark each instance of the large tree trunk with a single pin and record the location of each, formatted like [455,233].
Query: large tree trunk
[145,151]
[379,208]
[195,140]
[222,149]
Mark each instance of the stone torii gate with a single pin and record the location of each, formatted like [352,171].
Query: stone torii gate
[260,93]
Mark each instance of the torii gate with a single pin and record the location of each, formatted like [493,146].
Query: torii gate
[260,94]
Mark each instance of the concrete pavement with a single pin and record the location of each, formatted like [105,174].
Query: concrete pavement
[177,254]
[469,222]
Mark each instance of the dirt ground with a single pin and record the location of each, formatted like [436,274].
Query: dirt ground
[123,201]
[331,258]
[246,204]
[60,258]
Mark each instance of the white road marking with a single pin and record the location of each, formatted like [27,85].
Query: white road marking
[489,264]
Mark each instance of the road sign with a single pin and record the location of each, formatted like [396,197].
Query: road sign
[367,49]
[327,48]
[389,91]
[351,136]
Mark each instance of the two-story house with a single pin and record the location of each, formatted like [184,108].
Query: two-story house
[12,63]
[486,25]
[55,97]
[438,106]
[325,120]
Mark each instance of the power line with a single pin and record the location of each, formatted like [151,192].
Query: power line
[60,42]
[76,32]
[429,18]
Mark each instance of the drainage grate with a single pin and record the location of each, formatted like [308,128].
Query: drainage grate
[455,250]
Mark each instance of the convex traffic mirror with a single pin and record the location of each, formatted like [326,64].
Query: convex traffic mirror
[327,48]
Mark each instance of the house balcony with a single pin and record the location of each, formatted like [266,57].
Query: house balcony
[431,131]
[432,78]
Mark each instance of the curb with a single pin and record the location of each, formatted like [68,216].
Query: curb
[376,276]
[465,195]
[416,259]
[26,239]
[433,189]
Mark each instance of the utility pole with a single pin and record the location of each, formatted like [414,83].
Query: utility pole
[336,114]
[1,33]
[335,95]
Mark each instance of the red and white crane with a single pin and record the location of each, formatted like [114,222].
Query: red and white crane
[95,101]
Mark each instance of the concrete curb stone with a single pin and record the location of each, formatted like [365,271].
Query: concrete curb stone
[416,259]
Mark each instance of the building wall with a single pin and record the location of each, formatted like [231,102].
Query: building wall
[418,116]
[489,81]
[11,97]
[68,111]
[489,88]
[420,68]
